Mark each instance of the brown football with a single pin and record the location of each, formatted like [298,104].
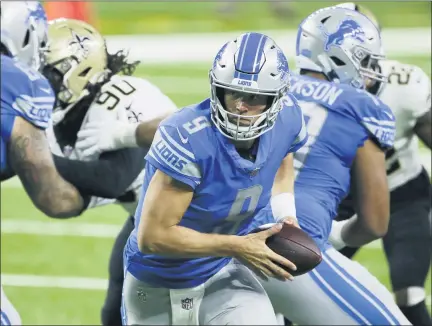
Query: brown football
[298,247]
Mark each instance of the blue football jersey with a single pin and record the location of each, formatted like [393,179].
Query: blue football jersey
[25,93]
[228,189]
[339,120]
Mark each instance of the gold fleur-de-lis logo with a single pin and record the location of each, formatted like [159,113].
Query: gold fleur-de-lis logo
[79,44]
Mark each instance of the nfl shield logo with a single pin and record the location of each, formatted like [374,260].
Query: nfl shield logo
[187,303]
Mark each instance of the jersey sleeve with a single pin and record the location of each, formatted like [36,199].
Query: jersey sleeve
[302,134]
[172,153]
[378,120]
[418,95]
[149,103]
[27,94]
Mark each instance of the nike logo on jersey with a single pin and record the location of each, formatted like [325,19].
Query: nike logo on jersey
[183,140]
[46,90]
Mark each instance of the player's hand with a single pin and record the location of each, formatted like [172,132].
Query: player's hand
[261,259]
[292,221]
[103,136]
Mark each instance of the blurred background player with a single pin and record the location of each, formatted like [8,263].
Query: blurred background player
[186,233]
[336,50]
[26,106]
[89,88]
[408,240]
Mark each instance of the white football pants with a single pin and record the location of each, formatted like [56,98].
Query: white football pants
[339,291]
[233,296]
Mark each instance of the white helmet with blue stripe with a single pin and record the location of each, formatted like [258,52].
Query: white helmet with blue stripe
[253,69]
[343,44]
[24,30]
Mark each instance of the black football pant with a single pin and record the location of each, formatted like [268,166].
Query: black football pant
[110,313]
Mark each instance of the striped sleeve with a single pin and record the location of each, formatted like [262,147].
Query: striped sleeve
[171,152]
[380,124]
[29,96]
[36,110]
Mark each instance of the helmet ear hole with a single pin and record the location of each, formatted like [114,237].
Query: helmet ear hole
[84,72]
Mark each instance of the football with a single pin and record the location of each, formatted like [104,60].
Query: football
[298,247]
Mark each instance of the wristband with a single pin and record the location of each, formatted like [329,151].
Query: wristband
[283,205]
[335,236]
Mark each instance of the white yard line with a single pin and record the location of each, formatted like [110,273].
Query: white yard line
[202,47]
[59,228]
[44,281]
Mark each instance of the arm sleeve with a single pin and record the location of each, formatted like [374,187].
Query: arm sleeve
[172,153]
[108,177]
[379,121]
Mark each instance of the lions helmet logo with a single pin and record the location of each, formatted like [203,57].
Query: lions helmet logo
[282,65]
[348,29]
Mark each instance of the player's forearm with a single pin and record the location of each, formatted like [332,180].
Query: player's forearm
[31,160]
[108,177]
[179,241]
[146,130]
[282,201]
[352,233]
[423,129]
[61,202]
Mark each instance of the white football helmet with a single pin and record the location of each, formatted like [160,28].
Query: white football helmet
[24,29]
[250,64]
[342,44]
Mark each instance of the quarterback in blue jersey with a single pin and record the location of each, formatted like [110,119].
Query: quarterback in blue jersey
[211,168]
[26,105]
[349,130]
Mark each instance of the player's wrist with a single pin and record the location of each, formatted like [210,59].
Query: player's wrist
[335,236]
[127,136]
[283,206]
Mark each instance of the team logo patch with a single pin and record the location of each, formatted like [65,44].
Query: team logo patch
[187,303]
[282,65]
[348,29]
[219,56]
[79,45]
[142,296]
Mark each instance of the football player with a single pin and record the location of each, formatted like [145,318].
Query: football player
[89,88]
[209,171]
[408,240]
[348,128]
[26,105]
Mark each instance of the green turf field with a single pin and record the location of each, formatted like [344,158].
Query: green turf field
[56,269]
[203,16]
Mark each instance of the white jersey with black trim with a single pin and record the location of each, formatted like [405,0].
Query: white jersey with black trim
[123,97]
[408,94]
